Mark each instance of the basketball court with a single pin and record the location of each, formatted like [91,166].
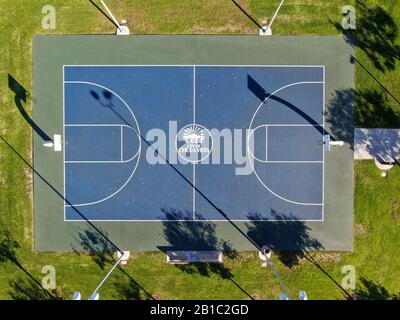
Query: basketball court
[219,129]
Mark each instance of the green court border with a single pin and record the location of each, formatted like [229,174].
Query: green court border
[51,52]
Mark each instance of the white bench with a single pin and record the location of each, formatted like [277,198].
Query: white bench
[185,257]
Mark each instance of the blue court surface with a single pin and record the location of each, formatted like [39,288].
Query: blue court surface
[209,142]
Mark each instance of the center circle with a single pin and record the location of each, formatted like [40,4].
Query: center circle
[194,143]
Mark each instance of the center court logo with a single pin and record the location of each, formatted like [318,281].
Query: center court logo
[194,143]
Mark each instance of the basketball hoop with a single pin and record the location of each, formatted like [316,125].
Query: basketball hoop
[48,144]
[55,143]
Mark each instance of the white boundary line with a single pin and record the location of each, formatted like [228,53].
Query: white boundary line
[64,149]
[191,220]
[169,65]
[323,149]
[136,165]
[197,65]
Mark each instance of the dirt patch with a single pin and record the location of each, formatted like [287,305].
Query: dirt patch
[247,256]
[29,182]
[395,208]
[367,181]
[255,296]
[224,29]
[360,230]
[328,257]
[159,296]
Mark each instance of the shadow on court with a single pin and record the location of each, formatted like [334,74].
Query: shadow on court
[189,235]
[199,236]
[340,116]
[20,288]
[372,290]
[21,96]
[261,94]
[99,248]
[375,34]
[107,103]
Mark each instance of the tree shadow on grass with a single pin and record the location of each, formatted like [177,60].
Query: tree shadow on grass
[29,289]
[372,110]
[130,289]
[372,290]
[369,108]
[103,254]
[375,34]
[197,236]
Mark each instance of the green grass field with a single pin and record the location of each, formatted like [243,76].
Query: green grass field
[377,204]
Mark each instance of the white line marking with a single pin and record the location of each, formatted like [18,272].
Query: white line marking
[138,133]
[323,151]
[197,65]
[64,149]
[293,161]
[106,125]
[194,94]
[255,66]
[122,144]
[189,220]
[99,161]
[194,191]
[97,125]
[249,153]
[266,143]
[288,125]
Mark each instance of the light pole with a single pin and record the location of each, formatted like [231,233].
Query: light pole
[122,256]
[266,30]
[265,255]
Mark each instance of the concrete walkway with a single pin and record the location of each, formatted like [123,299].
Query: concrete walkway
[382,145]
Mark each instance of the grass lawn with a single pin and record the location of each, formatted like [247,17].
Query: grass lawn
[377,204]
